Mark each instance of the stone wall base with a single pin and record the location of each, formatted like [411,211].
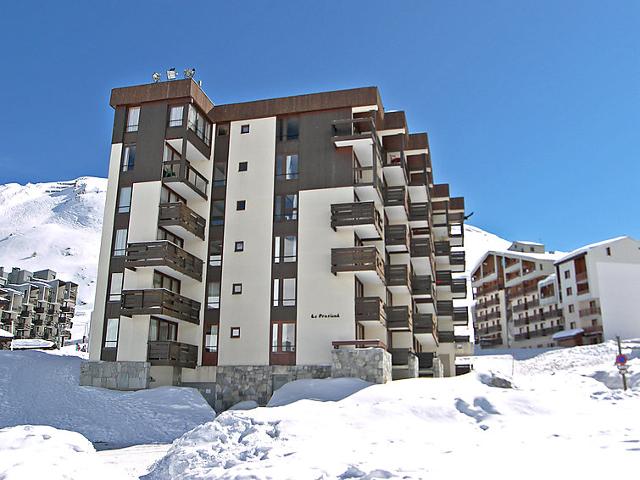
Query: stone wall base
[115,375]
[370,364]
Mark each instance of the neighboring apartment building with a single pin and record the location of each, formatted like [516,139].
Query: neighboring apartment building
[243,242]
[516,298]
[599,285]
[36,305]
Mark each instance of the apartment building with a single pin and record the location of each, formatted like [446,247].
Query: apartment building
[516,298]
[250,244]
[36,305]
[598,287]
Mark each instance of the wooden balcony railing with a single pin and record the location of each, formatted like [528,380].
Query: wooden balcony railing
[444,308]
[178,214]
[446,336]
[370,309]
[420,247]
[163,253]
[460,316]
[182,171]
[423,323]
[585,312]
[398,276]
[397,235]
[357,259]
[160,302]
[396,196]
[459,286]
[419,212]
[541,332]
[174,354]
[422,285]
[354,214]
[400,356]
[399,318]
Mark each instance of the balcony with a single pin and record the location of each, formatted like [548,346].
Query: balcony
[174,354]
[184,179]
[400,356]
[166,257]
[460,316]
[396,203]
[587,312]
[488,330]
[445,308]
[541,332]
[457,261]
[398,318]
[161,303]
[442,249]
[362,216]
[419,214]
[521,307]
[422,285]
[490,342]
[459,287]
[398,278]
[365,262]
[181,220]
[446,336]
[425,360]
[423,323]
[397,238]
[360,134]
[370,310]
[395,169]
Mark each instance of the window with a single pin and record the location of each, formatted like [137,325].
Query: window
[235,332]
[162,280]
[243,166]
[211,339]
[287,167]
[287,129]
[167,235]
[608,251]
[120,243]
[111,337]
[569,291]
[222,130]
[115,287]
[175,115]
[169,196]
[572,325]
[217,212]
[215,253]
[133,118]
[128,157]
[284,292]
[239,246]
[283,337]
[124,200]
[241,204]
[244,128]
[236,289]
[567,274]
[286,207]
[571,309]
[213,295]
[285,249]
[199,124]
[162,330]
[219,174]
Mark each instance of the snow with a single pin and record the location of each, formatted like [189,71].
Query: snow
[567,333]
[588,247]
[323,390]
[31,343]
[563,415]
[5,334]
[37,388]
[246,405]
[55,225]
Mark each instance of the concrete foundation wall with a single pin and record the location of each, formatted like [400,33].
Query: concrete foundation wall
[115,375]
[370,364]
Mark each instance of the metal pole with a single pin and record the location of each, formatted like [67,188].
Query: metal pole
[624,377]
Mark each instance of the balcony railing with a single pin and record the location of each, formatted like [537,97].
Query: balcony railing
[397,236]
[182,171]
[420,247]
[419,212]
[488,303]
[423,323]
[395,196]
[370,309]
[354,127]
[460,316]
[174,354]
[354,214]
[459,286]
[398,276]
[179,215]
[421,285]
[400,356]
[357,259]
[585,312]
[581,276]
[457,258]
[163,253]
[398,317]
[446,336]
[490,342]
[488,330]
[541,332]
[160,302]
[444,308]
[526,306]
[442,249]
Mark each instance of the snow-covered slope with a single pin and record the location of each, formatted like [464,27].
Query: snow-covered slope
[477,242]
[55,225]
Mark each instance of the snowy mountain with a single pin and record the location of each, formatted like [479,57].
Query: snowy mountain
[477,242]
[55,225]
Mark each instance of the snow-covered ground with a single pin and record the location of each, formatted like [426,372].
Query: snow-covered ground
[55,225]
[38,388]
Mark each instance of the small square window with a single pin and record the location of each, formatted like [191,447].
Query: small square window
[243,166]
[244,128]
[236,289]
[608,251]
[235,332]
[239,247]
[241,204]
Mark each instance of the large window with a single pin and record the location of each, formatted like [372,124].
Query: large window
[284,292]
[211,339]
[215,253]
[128,157]
[217,212]
[162,331]
[120,243]
[219,174]
[287,129]
[286,207]
[133,119]
[115,286]
[161,280]
[175,115]
[111,337]
[287,167]
[283,337]
[213,295]
[199,124]
[124,200]
[285,249]
[167,235]
[169,196]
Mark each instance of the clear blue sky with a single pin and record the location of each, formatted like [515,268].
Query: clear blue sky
[532,107]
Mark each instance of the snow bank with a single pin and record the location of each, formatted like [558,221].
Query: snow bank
[31,343]
[29,452]
[431,428]
[37,388]
[324,390]
[5,334]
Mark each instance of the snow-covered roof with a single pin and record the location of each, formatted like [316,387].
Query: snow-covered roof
[549,256]
[567,333]
[525,242]
[5,334]
[586,248]
[548,279]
